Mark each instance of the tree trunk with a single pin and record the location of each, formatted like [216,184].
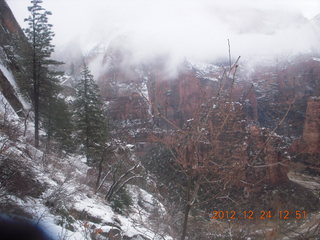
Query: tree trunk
[26,123]
[36,109]
[187,210]
[99,173]
[185,222]
[35,88]
[110,192]
[36,123]
[114,187]
[87,122]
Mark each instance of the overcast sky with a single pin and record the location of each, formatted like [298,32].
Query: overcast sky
[195,29]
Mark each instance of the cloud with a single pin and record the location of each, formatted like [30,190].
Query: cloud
[193,29]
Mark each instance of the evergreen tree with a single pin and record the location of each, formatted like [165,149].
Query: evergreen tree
[89,119]
[58,123]
[44,83]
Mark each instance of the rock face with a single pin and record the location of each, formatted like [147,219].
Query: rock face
[8,27]
[140,96]
[128,108]
[311,130]
[279,85]
[267,165]
[307,147]
[121,87]
[142,93]
[7,19]
[10,94]
[178,98]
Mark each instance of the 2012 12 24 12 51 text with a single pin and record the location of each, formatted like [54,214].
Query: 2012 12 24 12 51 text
[262,215]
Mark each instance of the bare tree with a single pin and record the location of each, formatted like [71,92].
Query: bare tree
[211,149]
[118,166]
[204,147]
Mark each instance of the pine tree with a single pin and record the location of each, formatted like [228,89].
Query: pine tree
[89,119]
[37,60]
[58,124]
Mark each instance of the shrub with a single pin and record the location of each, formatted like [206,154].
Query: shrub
[121,201]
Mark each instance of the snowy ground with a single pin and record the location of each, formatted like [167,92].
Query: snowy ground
[67,195]
[65,187]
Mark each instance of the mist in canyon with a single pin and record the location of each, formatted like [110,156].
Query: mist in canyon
[179,30]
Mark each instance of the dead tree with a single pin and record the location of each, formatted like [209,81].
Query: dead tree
[199,146]
[117,166]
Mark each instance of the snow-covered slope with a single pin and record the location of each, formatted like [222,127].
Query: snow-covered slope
[53,190]
[8,75]
[60,200]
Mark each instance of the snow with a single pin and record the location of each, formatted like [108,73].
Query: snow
[97,208]
[13,83]
[211,79]
[316,59]
[312,183]
[65,80]
[93,207]
[5,107]
[130,146]
[144,90]
[204,68]
[79,197]
[70,99]
[47,221]
[64,182]
[315,98]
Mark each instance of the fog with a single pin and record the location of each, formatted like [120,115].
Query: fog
[194,29]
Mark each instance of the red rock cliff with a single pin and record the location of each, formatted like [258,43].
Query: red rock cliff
[311,130]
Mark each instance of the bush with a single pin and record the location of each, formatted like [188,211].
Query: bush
[18,179]
[121,201]
[65,219]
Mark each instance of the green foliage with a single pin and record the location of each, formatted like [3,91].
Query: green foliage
[91,123]
[121,201]
[65,219]
[57,120]
[41,81]
[39,31]
[36,55]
